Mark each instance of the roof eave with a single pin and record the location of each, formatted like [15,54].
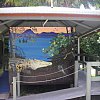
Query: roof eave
[41,13]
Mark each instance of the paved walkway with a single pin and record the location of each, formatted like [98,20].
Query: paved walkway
[4,85]
[66,94]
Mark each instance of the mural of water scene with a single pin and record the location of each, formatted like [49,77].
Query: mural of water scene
[33,40]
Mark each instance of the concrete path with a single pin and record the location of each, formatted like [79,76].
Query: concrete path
[4,85]
[66,94]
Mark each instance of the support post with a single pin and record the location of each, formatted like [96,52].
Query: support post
[78,49]
[88,82]
[97,69]
[76,74]
[84,61]
[84,58]
[12,44]
[18,84]
[3,46]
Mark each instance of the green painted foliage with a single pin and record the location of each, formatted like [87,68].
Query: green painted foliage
[56,44]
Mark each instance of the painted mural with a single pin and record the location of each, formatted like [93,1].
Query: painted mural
[32,40]
[30,43]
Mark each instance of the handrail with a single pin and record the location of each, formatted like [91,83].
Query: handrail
[51,79]
[50,73]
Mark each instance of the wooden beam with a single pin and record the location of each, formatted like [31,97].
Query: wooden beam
[49,16]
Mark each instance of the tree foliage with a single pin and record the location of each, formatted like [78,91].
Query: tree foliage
[91,44]
[66,3]
[26,2]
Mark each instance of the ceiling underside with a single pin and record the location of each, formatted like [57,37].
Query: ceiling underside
[82,27]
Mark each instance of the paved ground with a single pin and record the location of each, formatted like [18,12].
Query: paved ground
[4,82]
[4,85]
[66,94]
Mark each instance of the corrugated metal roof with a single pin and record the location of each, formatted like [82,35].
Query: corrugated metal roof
[85,20]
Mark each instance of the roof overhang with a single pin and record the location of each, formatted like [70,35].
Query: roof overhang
[41,13]
[86,21]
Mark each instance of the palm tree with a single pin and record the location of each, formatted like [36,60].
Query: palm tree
[66,3]
[28,2]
